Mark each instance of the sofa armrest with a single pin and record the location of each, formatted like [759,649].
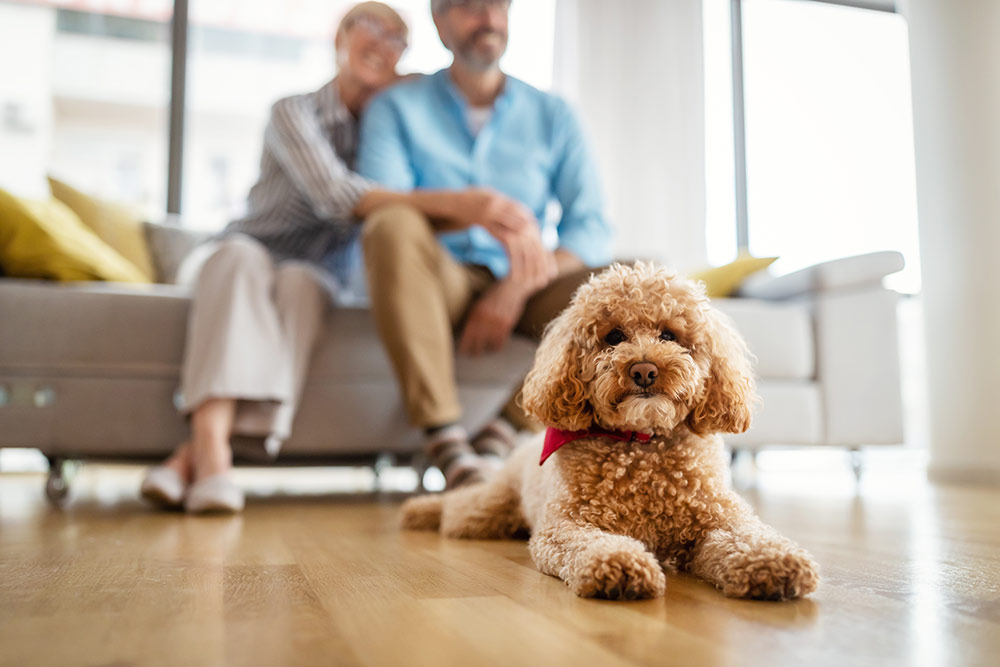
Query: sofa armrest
[838,274]
[857,366]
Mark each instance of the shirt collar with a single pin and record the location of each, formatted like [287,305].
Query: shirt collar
[450,90]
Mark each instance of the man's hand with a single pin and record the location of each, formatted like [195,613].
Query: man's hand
[498,213]
[531,265]
[493,317]
[511,223]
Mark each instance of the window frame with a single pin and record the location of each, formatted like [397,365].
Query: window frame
[178,102]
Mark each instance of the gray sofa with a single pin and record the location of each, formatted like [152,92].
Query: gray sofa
[88,371]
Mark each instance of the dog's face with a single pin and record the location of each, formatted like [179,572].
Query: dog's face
[639,349]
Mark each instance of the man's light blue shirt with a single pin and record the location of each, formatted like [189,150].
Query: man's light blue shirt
[415,135]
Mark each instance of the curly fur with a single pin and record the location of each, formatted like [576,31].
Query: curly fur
[606,516]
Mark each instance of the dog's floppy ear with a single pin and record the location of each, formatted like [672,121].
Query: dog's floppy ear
[729,395]
[554,392]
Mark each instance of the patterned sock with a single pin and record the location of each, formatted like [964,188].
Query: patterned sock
[497,439]
[449,450]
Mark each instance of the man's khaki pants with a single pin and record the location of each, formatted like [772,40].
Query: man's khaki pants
[251,330]
[420,294]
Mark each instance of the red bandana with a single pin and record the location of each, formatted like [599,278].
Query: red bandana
[556,438]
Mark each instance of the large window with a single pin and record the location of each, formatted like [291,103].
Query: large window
[829,140]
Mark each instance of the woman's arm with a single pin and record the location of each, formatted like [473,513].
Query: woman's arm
[295,138]
[440,206]
[451,210]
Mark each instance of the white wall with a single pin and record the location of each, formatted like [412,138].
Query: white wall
[955,60]
[633,70]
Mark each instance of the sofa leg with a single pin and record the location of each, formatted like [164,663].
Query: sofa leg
[420,465]
[735,454]
[857,463]
[56,486]
[383,462]
[743,467]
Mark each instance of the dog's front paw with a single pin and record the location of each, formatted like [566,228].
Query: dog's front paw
[621,574]
[772,576]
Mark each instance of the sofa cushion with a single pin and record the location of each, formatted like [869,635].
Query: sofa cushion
[100,329]
[779,334]
[790,412]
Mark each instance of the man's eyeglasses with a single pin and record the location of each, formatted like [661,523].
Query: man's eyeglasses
[388,37]
[479,6]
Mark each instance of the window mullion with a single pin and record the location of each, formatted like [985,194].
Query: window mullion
[739,128]
[178,83]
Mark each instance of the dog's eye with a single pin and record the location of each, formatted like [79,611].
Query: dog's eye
[667,335]
[616,336]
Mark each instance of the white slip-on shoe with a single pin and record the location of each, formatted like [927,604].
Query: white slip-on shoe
[163,486]
[216,493]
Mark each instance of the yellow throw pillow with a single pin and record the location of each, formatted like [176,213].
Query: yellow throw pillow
[115,224]
[45,239]
[721,281]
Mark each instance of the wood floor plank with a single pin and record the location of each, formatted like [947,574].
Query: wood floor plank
[910,577]
[507,633]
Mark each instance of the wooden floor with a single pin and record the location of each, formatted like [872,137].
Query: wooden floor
[911,577]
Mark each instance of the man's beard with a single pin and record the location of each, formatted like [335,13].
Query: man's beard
[473,57]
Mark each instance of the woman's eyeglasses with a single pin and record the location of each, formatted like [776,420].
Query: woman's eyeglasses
[377,30]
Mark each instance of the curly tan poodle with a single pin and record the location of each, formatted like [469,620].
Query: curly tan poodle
[634,379]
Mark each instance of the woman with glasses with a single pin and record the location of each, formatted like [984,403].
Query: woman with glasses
[260,290]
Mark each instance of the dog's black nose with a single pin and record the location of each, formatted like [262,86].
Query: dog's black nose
[643,373]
